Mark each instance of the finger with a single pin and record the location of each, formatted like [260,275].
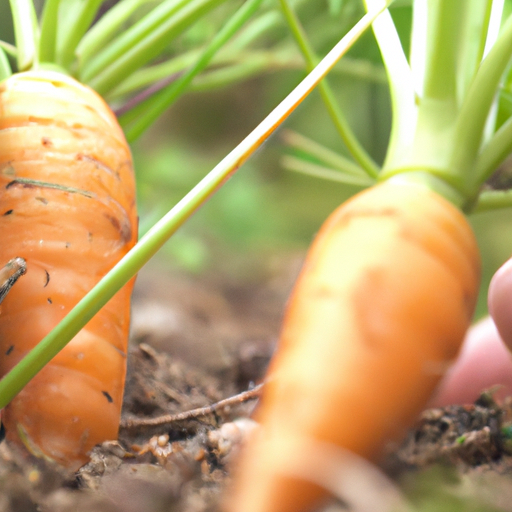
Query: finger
[484,362]
[500,301]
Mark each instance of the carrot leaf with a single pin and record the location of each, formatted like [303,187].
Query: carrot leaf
[299,165]
[401,86]
[49,28]
[144,41]
[493,200]
[105,30]
[147,112]
[5,67]
[75,18]
[26,33]
[325,156]
[339,120]
[475,110]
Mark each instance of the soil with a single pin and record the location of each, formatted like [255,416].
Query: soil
[197,341]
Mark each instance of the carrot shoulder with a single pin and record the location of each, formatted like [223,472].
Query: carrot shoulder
[379,311]
[67,206]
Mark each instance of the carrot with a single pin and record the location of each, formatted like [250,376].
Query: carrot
[379,311]
[68,208]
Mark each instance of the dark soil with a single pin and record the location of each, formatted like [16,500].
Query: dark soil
[199,341]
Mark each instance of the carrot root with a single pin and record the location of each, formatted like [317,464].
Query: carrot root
[67,206]
[378,313]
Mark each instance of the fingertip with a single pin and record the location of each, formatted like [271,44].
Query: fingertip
[483,363]
[500,301]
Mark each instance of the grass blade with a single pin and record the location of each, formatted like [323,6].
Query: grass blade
[147,112]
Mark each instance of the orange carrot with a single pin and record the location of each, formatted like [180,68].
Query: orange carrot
[68,208]
[380,310]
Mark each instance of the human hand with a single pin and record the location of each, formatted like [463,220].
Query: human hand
[485,360]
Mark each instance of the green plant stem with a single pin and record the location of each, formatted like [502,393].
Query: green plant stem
[78,16]
[437,70]
[476,38]
[227,68]
[353,145]
[92,63]
[475,110]
[26,33]
[124,63]
[324,155]
[494,151]
[49,30]
[150,243]
[107,27]
[401,87]
[9,49]
[299,165]
[145,114]
[437,109]
[444,33]
[493,200]
[5,68]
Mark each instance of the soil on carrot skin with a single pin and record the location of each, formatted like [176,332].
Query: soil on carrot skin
[198,341]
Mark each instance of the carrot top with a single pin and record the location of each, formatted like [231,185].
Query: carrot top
[114,52]
[447,130]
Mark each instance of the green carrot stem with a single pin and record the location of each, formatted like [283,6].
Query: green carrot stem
[494,152]
[49,31]
[121,65]
[301,166]
[5,67]
[147,112]
[78,16]
[354,146]
[322,154]
[26,33]
[493,200]
[475,110]
[107,28]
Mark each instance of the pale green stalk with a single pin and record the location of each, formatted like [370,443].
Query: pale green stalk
[49,31]
[494,152]
[76,17]
[401,88]
[107,27]
[148,111]
[301,166]
[324,155]
[26,33]
[94,63]
[475,110]
[9,49]
[103,79]
[355,148]
[150,243]
[489,200]
[5,67]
